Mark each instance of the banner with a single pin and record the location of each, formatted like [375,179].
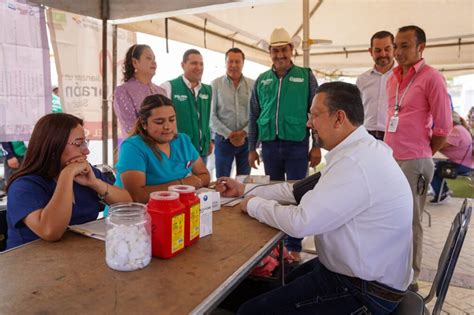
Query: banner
[77,46]
[25,78]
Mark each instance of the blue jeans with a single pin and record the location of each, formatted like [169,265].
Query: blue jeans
[282,157]
[225,153]
[437,179]
[313,289]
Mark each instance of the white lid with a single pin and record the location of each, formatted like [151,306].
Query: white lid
[164,195]
[182,188]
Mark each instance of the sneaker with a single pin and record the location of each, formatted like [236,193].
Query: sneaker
[443,199]
[430,191]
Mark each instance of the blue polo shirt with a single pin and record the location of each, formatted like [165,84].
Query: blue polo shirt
[32,192]
[136,155]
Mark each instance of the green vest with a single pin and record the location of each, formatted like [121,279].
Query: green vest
[56,108]
[193,116]
[19,148]
[283,105]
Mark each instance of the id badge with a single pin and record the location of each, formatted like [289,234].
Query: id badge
[392,125]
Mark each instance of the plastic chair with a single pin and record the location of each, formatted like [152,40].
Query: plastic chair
[3,222]
[413,303]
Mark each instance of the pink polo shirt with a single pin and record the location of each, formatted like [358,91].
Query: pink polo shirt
[425,111]
[459,146]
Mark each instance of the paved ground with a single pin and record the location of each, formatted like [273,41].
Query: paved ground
[460,297]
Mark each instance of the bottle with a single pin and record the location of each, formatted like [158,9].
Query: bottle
[192,204]
[167,221]
[128,237]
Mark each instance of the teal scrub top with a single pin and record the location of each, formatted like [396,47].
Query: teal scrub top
[136,155]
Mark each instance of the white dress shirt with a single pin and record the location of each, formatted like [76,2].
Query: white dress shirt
[167,87]
[360,212]
[373,87]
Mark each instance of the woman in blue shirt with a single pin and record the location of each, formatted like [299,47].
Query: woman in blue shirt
[155,156]
[55,186]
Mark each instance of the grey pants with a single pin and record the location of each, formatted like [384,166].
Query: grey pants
[412,170]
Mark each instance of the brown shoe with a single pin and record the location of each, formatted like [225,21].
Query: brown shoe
[413,287]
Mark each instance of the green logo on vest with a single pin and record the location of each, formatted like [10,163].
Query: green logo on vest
[180,98]
[296,80]
[204,96]
[267,81]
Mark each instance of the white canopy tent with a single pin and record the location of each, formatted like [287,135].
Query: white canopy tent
[349,24]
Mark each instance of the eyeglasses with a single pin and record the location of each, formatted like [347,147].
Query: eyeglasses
[82,144]
[310,116]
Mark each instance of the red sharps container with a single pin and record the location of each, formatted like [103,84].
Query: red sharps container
[192,204]
[167,224]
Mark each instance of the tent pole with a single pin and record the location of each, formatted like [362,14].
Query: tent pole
[114,85]
[306,33]
[105,106]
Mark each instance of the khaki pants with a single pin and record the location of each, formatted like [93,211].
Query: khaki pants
[412,170]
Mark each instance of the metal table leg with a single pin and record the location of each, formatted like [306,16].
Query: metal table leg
[282,262]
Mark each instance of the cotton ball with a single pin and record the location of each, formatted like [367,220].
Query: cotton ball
[128,247]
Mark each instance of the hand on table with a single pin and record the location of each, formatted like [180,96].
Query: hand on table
[244,203]
[229,187]
[192,180]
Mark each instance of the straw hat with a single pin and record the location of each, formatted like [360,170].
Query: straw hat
[280,37]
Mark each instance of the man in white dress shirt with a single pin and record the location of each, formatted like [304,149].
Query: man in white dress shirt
[360,212]
[373,84]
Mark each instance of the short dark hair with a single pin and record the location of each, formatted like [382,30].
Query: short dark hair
[419,33]
[235,50]
[380,35]
[188,52]
[344,96]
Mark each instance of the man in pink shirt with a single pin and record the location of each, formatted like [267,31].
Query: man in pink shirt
[418,123]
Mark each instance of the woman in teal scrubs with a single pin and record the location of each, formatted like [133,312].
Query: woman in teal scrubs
[156,156]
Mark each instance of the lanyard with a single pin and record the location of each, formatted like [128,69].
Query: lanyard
[398,103]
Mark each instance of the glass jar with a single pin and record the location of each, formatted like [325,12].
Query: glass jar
[128,238]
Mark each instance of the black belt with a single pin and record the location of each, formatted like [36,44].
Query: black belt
[377,289]
[377,134]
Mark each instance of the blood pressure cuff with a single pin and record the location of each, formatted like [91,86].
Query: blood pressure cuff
[303,186]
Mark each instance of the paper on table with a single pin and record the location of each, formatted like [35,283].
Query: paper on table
[94,229]
[225,201]
[253,179]
[230,201]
